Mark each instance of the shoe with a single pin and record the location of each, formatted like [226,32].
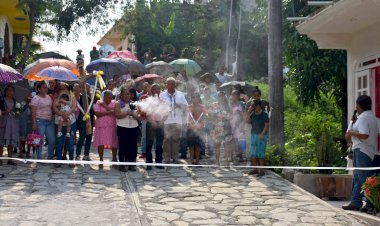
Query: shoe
[115,166]
[253,172]
[149,168]
[351,207]
[101,166]
[68,135]
[77,158]
[160,167]
[64,157]
[183,157]
[10,162]
[132,168]
[86,158]
[59,134]
[175,161]
[122,169]
[367,209]
[142,156]
[261,174]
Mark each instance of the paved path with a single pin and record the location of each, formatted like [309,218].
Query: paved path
[175,196]
[64,196]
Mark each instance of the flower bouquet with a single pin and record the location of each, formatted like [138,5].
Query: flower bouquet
[19,107]
[371,189]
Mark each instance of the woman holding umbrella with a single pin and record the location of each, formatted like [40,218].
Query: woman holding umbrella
[9,123]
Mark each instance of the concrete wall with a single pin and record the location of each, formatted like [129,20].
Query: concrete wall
[3,21]
[364,43]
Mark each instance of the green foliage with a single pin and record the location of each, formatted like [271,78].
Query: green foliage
[325,149]
[313,72]
[205,26]
[304,126]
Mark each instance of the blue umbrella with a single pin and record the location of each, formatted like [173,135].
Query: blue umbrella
[110,67]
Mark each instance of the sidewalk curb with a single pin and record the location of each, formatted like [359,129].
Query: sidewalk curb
[364,220]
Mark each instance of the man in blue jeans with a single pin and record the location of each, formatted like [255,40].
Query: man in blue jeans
[363,135]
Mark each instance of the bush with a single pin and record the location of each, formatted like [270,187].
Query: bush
[303,127]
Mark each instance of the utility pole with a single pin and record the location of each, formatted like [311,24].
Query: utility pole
[228,37]
[276,90]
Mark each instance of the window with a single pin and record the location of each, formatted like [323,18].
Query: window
[363,83]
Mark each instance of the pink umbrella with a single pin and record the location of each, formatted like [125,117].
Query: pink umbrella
[148,77]
[122,54]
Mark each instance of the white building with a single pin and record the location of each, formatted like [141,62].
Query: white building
[116,39]
[352,25]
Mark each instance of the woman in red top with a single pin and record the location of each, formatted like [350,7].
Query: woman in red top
[195,124]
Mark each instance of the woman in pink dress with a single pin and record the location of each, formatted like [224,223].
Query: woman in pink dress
[105,135]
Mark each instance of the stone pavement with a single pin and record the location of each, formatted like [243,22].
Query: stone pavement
[43,195]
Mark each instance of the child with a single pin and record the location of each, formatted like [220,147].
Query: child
[259,136]
[25,126]
[64,106]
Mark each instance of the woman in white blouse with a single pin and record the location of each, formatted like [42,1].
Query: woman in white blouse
[127,127]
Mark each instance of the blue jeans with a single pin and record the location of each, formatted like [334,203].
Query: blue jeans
[46,128]
[143,136]
[70,142]
[360,160]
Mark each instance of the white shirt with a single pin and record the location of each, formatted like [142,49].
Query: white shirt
[366,124]
[222,78]
[177,98]
[128,121]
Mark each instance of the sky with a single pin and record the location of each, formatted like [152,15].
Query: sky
[84,42]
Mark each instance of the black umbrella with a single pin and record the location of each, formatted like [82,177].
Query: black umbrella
[22,89]
[54,54]
[245,86]
[134,67]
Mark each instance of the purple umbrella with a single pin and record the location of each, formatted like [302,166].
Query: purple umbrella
[8,74]
[59,73]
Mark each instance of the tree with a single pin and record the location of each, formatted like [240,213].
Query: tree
[276,90]
[313,72]
[61,15]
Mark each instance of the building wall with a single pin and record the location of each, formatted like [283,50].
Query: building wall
[3,21]
[364,44]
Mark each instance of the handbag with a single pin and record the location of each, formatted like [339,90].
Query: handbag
[34,140]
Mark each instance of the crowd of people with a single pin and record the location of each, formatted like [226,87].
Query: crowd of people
[172,124]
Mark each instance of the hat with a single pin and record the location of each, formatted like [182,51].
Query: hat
[205,75]
[79,50]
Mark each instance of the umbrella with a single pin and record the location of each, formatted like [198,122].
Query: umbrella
[8,74]
[245,86]
[133,66]
[122,54]
[22,89]
[190,66]
[59,73]
[148,77]
[32,69]
[160,67]
[110,67]
[106,49]
[54,54]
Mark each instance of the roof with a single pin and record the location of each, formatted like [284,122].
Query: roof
[334,26]
[18,19]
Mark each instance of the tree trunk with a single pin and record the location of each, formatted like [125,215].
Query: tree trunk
[276,91]
[25,55]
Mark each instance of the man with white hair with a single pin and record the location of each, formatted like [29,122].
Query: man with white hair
[173,124]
